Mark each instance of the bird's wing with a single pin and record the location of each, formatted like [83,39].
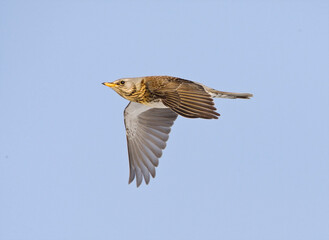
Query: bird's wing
[147,131]
[187,98]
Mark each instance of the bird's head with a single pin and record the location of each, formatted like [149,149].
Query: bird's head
[125,87]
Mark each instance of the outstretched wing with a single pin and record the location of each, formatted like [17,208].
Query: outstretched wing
[147,131]
[185,97]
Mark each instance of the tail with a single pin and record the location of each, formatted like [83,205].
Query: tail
[220,94]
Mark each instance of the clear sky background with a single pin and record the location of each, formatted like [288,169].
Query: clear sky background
[259,172]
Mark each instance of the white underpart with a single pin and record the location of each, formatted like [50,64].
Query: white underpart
[212,92]
[213,95]
[157,104]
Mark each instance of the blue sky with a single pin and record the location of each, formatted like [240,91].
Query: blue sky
[258,172]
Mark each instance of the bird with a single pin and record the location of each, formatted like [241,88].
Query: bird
[155,103]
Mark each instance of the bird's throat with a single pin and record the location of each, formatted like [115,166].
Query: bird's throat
[140,95]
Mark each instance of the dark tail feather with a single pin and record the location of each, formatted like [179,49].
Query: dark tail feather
[220,94]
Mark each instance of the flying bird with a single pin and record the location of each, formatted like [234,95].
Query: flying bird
[155,103]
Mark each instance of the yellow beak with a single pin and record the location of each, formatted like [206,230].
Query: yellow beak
[108,84]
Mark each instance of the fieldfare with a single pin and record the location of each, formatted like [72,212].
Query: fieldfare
[155,103]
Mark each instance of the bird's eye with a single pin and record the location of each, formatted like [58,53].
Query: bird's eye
[122,82]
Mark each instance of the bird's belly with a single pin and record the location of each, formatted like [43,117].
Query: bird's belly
[156,104]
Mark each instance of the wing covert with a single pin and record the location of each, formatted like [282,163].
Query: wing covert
[186,98]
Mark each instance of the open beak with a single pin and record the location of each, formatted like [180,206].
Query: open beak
[108,84]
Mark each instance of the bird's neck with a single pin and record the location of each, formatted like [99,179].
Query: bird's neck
[140,94]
